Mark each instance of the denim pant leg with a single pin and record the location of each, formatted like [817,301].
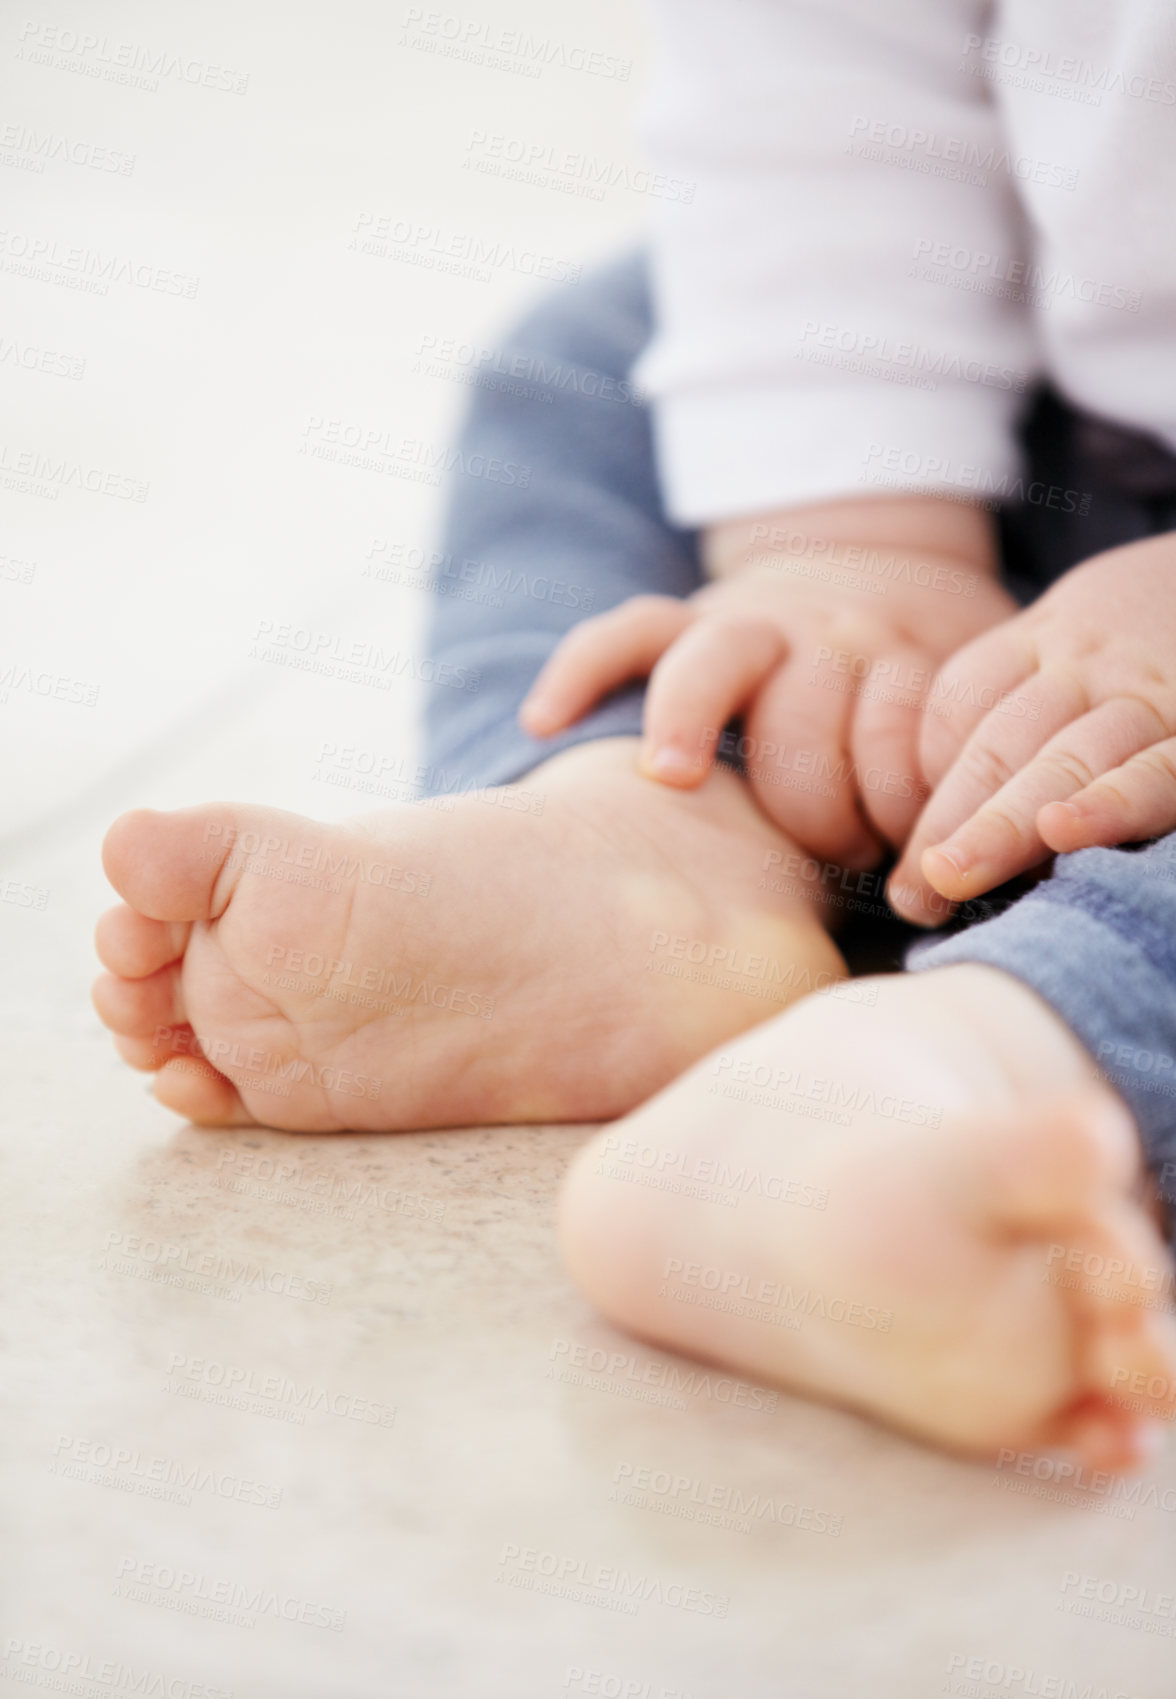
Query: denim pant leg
[1097,940]
[557,515]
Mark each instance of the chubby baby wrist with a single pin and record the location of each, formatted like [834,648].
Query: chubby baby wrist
[847,534]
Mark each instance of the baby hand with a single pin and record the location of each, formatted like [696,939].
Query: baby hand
[824,630]
[1059,732]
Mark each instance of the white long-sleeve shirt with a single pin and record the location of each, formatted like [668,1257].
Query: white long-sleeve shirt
[890,218]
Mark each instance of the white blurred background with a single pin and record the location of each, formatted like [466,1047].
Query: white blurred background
[222,224]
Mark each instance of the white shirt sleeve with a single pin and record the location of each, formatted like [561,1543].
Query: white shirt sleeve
[802,350]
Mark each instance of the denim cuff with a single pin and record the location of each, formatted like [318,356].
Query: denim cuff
[1093,942]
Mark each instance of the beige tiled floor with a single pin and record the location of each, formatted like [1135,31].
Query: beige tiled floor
[341,1387]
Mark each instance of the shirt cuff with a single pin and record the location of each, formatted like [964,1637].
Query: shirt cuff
[723,454]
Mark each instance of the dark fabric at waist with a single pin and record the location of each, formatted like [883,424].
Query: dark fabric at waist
[1089,485]
[1134,462]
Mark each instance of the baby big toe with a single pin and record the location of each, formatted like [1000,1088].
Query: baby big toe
[167,865]
[194,1089]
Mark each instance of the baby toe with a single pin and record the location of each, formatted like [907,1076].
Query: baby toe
[148,1054]
[1104,1436]
[1120,1284]
[195,1089]
[133,946]
[136,1008]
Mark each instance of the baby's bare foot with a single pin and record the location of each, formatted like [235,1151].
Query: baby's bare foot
[428,968]
[928,1209]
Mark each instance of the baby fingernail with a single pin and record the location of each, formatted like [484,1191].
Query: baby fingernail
[1062,814]
[670,763]
[958,860]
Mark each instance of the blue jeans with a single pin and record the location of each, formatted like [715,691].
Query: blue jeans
[555,513]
